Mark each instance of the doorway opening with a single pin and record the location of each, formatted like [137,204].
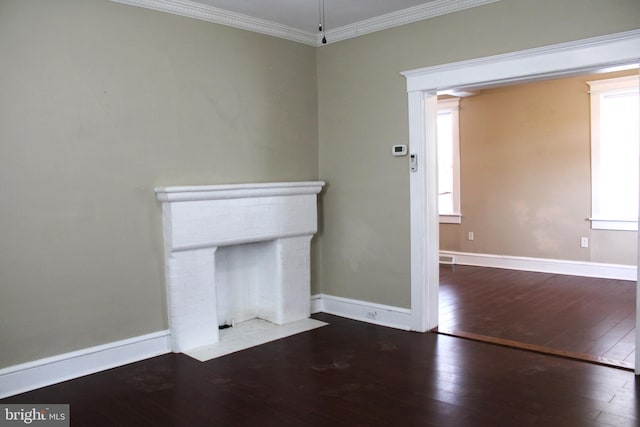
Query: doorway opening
[422,85]
[526,198]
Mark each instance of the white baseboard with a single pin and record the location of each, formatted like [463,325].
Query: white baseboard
[40,373]
[316,303]
[542,265]
[379,314]
[52,370]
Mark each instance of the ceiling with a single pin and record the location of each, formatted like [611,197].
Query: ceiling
[298,20]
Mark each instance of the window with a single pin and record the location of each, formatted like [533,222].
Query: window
[448,161]
[615,114]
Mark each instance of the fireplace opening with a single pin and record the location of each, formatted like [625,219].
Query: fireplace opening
[245,282]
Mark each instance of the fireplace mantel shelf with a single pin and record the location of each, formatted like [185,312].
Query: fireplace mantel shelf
[236,191]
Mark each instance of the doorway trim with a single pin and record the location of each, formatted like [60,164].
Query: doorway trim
[553,61]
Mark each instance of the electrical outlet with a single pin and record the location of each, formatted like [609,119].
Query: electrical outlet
[372,314]
[470,237]
[584,242]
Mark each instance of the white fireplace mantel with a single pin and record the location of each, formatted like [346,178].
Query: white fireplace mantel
[237,191]
[235,252]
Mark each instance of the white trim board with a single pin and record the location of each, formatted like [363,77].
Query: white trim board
[51,370]
[400,17]
[192,9]
[370,312]
[544,265]
[580,56]
[316,303]
[216,15]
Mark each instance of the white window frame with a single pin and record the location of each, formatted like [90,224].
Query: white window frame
[598,88]
[452,105]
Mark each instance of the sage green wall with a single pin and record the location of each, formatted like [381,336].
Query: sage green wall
[526,175]
[363,111]
[100,103]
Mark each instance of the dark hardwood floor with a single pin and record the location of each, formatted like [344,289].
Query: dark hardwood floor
[586,318]
[353,374]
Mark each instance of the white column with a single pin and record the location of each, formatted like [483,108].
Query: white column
[284,290]
[294,266]
[193,317]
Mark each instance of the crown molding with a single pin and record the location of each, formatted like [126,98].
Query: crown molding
[195,10]
[400,17]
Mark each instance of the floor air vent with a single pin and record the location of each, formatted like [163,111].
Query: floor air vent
[447,259]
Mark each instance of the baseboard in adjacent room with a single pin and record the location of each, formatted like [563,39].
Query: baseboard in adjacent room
[543,265]
[379,314]
[40,373]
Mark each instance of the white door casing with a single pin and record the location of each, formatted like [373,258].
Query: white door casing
[554,61]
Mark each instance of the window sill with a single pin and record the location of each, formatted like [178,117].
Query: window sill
[613,224]
[450,219]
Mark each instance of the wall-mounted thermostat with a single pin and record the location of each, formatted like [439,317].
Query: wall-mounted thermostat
[399,150]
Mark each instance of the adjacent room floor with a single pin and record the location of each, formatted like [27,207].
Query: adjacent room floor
[581,317]
[352,373]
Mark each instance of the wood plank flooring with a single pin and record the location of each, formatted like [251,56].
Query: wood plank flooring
[587,318]
[353,374]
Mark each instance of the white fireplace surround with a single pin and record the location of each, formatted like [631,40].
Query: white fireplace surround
[236,252]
